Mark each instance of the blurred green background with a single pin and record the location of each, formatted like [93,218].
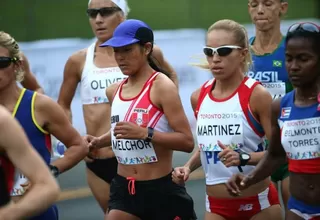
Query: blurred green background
[29,20]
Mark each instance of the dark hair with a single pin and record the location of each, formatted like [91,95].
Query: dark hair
[145,35]
[311,36]
[154,63]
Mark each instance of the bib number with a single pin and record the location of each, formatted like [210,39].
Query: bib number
[276,89]
[212,156]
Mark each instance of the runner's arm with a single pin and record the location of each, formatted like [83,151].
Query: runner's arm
[57,124]
[44,190]
[105,139]
[260,102]
[29,81]
[71,78]
[275,156]
[194,162]
[169,101]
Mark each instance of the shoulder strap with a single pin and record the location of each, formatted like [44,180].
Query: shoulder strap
[251,40]
[205,89]
[245,93]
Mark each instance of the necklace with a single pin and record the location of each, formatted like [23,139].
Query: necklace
[271,48]
[261,52]
[313,97]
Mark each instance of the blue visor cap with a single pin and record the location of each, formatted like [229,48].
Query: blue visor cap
[130,32]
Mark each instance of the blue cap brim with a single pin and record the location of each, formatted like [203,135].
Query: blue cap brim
[119,42]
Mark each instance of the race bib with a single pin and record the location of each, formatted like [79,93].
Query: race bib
[276,89]
[301,138]
[132,152]
[18,190]
[226,128]
[100,80]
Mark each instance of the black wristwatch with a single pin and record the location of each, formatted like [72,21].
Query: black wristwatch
[244,158]
[150,135]
[54,170]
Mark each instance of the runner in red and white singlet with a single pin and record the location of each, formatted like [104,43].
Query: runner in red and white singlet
[232,113]
[95,68]
[147,124]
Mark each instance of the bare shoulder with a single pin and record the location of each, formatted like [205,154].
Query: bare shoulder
[44,103]
[194,98]
[75,64]
[260,95]
[163,82]
[259,90]
[78,56]
[111,90]
[4,115]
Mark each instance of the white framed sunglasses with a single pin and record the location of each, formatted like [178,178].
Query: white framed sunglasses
[221,51]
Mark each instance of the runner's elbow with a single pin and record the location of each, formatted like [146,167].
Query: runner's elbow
[189,144]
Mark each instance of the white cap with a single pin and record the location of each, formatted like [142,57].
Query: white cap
[123,5]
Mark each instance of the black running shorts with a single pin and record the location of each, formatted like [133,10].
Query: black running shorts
[159,199]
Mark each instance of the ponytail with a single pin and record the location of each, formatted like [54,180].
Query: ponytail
[152,62]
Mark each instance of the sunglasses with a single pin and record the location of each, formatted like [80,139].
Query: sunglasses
[306,26]
[221,51]
[6,61]
[104,12]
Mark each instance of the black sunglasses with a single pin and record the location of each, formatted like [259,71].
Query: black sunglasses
[104,12]
[221,51]
[6,61]
[306,26]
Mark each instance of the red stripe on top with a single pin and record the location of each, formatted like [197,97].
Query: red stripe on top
[310,166]
[155,122]
[244,93]
[134,99]
[48,142]
[9,171]
[145,103]
[205,89]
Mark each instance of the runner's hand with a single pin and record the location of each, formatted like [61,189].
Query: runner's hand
[237,183]
[180,175]
[228,156]
[26,186]
[130,130]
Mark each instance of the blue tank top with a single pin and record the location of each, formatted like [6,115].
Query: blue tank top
[270,70]
[24,113]
[300,134]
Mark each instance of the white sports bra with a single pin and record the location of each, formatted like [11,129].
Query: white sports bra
[94,80]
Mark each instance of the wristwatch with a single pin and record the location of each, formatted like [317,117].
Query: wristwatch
[150,135]
[54,170]
[244,158]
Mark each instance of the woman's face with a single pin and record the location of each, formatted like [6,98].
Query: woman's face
[302,62]
[7,68]
[230,59]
